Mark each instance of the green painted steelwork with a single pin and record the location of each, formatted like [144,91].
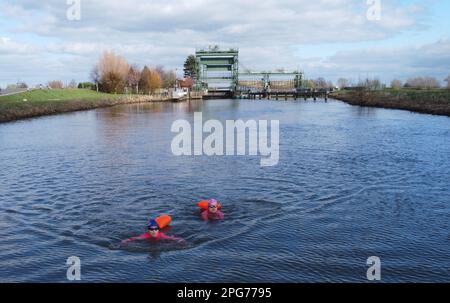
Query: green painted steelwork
[265,80]
[213,61]
[219,72]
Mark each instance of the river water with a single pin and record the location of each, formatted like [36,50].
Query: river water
[351,183]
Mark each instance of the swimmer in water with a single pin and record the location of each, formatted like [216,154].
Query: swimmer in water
[213,212]
[153,234]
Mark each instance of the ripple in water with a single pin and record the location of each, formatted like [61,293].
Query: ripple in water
[349,185]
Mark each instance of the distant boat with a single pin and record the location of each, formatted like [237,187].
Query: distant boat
[179,94]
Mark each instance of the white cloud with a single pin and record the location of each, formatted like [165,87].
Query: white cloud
[267,32]
[8,46]
[386,63]
[231,21]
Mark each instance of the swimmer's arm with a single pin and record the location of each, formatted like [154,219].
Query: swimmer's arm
[141,237]
[205,215]
[221,215]
[172,238]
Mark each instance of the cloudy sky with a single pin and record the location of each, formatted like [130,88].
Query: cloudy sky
[329,38]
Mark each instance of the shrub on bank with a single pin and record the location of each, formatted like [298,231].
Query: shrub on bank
[87,85]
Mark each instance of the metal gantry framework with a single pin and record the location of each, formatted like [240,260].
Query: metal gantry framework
[218,72]
[270,81]
[218,69]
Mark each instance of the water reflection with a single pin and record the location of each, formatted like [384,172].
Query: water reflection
[364,111]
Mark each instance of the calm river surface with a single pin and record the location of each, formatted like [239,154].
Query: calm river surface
[351,183]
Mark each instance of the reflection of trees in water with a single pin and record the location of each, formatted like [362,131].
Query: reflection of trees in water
[194,106]
[365,111]
[123,114]
[116,125]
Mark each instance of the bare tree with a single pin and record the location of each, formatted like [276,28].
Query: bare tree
[113,72]
[431,82]
[371,84]
[56,84]
[133,77]
[448,82]
[95,76]
[150,81]
[73,84]
[396,84]
[423,83]
[321,83]
[160,70]
[168,78]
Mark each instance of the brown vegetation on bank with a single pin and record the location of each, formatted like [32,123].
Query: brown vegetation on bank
[113,74]
[433,101]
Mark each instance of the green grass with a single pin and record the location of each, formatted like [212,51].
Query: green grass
[55,95]
[46,102]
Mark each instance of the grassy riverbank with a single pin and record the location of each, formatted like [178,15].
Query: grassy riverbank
[47,102]
[432,101]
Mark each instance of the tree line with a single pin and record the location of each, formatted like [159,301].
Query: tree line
[113,74]
[417,83]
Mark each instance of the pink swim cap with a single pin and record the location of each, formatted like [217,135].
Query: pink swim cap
[213,202]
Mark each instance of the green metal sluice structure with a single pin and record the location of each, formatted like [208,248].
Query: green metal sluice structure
[219,76]
[218,71]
